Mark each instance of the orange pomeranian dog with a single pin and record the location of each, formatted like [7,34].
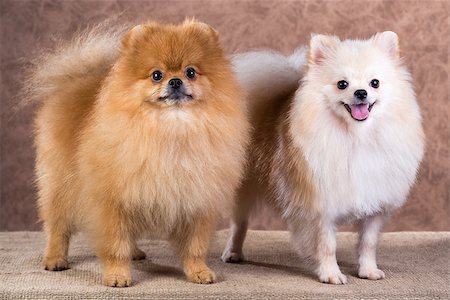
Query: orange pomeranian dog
[138,134]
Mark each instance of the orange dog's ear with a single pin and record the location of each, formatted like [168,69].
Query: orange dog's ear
[203,27]
[321,46]
[137,32]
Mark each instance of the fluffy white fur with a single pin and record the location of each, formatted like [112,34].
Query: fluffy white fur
[265,75]
[351,170]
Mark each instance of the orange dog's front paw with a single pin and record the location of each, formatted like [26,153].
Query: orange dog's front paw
[116,280]
[55,263]
[205,276]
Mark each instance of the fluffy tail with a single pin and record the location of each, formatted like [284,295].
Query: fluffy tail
[265,75]
[87,58]
[298,59]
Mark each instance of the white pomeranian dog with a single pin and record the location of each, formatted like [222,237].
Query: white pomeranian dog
[345,145]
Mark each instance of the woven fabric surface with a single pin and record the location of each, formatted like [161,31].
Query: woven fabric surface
[417,265]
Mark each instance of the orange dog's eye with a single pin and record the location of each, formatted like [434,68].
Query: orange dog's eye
[190,73]
[157,76]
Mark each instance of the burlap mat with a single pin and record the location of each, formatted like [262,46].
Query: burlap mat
[416,266]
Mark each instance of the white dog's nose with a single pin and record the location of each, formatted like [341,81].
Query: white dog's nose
[361,94]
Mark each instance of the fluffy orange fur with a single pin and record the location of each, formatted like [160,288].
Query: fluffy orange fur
[117,161]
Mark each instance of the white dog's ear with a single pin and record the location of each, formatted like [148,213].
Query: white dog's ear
[322,45]
[387,41]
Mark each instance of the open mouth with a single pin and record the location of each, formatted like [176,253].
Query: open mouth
[359,112]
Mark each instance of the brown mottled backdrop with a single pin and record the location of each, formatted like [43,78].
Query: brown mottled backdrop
[423,27]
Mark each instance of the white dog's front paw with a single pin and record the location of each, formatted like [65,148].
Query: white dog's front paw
[370,273]
[329,272]
[232,257]
[337,278]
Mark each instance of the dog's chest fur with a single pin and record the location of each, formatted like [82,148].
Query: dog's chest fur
[362,171]
[172,172]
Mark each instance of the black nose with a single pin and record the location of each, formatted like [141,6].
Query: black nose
[361,94]
[175,83]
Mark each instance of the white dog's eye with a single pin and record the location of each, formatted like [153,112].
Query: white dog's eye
[342,84]
[375,83]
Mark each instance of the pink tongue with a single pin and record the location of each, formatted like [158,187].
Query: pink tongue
[360,111]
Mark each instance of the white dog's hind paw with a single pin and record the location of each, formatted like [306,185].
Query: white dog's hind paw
[338,278]
[232,257]
[372,274]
